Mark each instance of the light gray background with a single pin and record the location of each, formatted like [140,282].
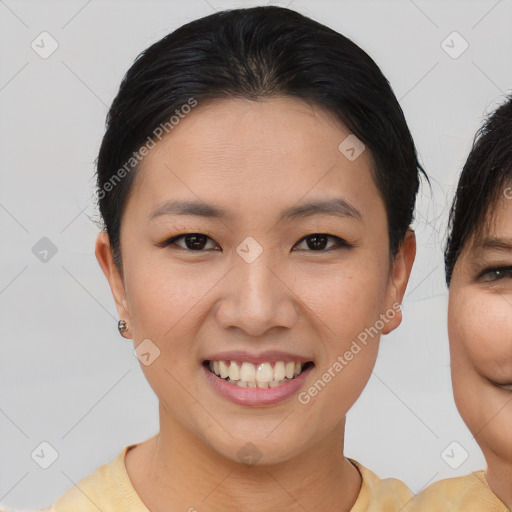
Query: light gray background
[66,376]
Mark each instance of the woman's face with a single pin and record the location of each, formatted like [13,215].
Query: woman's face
[254,287]
[480,331]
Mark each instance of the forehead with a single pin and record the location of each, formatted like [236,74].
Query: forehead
[245,151]
[494,228]
[233,128]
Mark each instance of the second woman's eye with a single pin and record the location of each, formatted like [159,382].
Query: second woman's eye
[495,274]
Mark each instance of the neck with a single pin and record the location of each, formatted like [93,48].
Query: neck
[175,467]
[499,477]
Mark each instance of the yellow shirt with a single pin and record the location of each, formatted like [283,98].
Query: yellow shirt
[470,493]
[109,489]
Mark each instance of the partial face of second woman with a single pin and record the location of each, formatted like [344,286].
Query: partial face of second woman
[480,332]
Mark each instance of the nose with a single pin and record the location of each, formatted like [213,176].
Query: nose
[257,298]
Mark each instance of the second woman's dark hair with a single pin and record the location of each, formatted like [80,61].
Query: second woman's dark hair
[257,53]
[484,177]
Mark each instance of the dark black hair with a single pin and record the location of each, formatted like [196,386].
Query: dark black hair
[484,177]
[256,53]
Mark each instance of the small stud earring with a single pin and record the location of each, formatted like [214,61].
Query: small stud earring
[121,325]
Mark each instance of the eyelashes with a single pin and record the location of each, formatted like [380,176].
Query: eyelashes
[194,237]
[198,241]
[339,243]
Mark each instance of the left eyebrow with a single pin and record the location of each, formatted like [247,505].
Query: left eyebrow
[495,243]
[334,206]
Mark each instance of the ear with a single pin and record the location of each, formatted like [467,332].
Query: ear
[105,258]
[399,277]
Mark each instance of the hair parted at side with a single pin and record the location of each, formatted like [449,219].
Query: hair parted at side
[256,53]
[487,171]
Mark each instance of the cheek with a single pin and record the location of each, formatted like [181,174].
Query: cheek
[480,332]
[345,306]
[347,296]
[480,328]
[164,300]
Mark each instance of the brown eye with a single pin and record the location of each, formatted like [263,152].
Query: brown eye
[192,242]
[317,242]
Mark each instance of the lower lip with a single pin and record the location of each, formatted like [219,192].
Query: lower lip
[505,387]
[256,396]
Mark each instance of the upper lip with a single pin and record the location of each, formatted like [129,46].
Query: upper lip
[269,356]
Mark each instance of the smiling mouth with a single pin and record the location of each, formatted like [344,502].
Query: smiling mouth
[507,387]
[262,375]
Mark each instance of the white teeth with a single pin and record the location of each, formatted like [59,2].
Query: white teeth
[289,370]
[262,375]
[234,371]
[223,369]
[279,372]
[248,372]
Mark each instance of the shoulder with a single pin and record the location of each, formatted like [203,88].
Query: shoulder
[48,509]
[107,489]
[469,493]
[379,494]
[88,494]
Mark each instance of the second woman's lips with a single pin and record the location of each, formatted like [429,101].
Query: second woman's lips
[508,387]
